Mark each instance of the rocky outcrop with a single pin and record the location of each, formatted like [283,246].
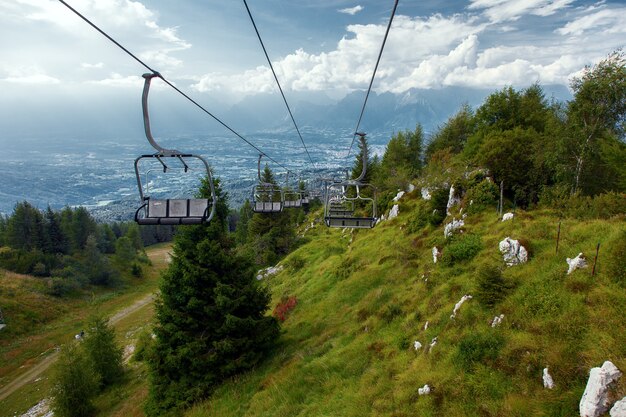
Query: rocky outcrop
[595,399]
[425,390]
[398,196]
[426,193]
[269,271]
[512,252]
[497,320]
[453,200]
[451,227]
[619,408]
[507,216]
[393,213]
[458,305]
[548,382]
[436,254]
[578,262]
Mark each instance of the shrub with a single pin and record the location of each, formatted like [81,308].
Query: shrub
[462,248]
[136,270]
[285,306]
[295,263]
[438,205]
[420,217]
[491,286]
[478,348]
[143,345]
[103,353]
[616,259]
[74,384]
[61,286]
[483,195]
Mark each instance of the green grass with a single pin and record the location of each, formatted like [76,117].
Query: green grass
[347,348]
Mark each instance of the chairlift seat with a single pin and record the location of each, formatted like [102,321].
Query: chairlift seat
[174,211]
[293,203]
[267,207]
[351,222]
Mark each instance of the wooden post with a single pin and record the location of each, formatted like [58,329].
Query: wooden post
[558,237]
[593,271]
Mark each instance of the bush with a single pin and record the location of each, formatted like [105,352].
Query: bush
[478,348]
[61,286]
[295,263]
[438,205]
[103,353]
[491,286]
[143,345]
[616,259]
[74,384]
[462,248]
[136,270]
[420,218]
[482,196]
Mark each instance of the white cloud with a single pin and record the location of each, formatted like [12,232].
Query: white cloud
[28,75]
[610,21]
[87,65]
[351,10]
[118,80]
[508,10]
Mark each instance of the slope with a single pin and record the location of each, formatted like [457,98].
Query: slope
[364,298]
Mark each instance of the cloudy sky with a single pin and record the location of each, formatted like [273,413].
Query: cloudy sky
[209,47]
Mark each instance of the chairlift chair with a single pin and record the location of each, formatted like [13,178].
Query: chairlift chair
[342,198]
[291,197]
[266,197]
[170,211]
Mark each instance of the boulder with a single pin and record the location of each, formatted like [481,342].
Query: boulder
[458,305]
[578,262]
[410,188]
[426,193]
[619,408]
[449,228]
[393,213]
[548,382]
[417,345]
[453,200]
[269,271]
[426,325]
[497,320]
[595,399]
[425,390]
[507,216]
[432,344]
[398,196]
[512,252]
[436,254]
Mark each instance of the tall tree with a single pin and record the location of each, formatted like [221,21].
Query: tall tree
[211,321]
[56,241]
[453,134]
[25,229]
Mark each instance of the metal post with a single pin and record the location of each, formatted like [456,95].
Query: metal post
[593,271]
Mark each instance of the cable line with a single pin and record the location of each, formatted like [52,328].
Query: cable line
[380,54]
[277,82]
[170,84]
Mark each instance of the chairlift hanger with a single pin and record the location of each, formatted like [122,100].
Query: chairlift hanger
[291,198]
[171,211]
[266,197]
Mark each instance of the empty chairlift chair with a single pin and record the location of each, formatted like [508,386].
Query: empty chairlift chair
[180,209]
[266,197]
[292,198]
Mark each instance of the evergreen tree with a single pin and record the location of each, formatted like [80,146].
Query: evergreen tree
[102,351]
[96,266]
[134,235]
[211,321]
[241,231]
[106,239]
[82,226]
[56,242]
[453,134]
[25,228]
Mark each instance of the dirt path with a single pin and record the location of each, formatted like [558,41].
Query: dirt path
[160,255]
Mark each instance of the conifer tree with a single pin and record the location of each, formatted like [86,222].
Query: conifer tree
[211,321]
[102,351]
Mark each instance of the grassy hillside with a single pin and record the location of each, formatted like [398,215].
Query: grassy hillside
[363,298]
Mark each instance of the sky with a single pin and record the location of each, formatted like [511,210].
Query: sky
[49,57]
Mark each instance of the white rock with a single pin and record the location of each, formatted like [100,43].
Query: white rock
[458,305]
[426,325]
[417,345]
[497,320]
[595,401]
[452,226]
[619,408]
[507,216]
[578,262]
[269,271]
[548,382]
[436,254]
[393,213]
[41,409]
[432,344]
[382,218]
[410,188]
[453,200]
[425,390]
[426,193]
[398,196]
[512,252]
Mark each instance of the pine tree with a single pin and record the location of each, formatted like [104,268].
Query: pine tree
[102,351]
[211,321]
[25,228]
[241,231]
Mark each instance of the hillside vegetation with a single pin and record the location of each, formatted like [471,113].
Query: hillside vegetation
[363,298]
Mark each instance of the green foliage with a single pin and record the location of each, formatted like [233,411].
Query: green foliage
[74,384]
[483,196]
[25,228]
[402,159]
[143,345]
[603,206]
[438,205]
[390,312]
[491,287]
[295,263]
[62,286]
[211,321]
[461,248]
[477,348]
[453,134]
[104,355]
[616,259]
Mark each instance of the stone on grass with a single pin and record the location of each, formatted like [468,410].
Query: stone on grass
[619,408]
[425,390]
[436,254]
[497,320]
[398,196]
[449,229]
[548,382]
[426,193]
[453,200]
[426,325]
[595,399]
[507,216]
[578,262]
[432,344]
[417,345]
[512,252]
[410,188]
[393,213]
[458,305]
[269,271]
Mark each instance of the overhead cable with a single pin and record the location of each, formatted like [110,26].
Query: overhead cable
[277,82]
[380,54]
[170,84]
